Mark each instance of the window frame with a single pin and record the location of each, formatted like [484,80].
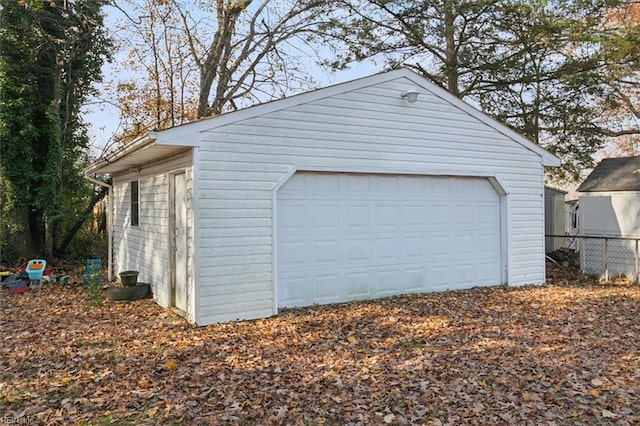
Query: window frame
[134,199]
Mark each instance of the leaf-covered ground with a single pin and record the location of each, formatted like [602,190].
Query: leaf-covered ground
[564,353]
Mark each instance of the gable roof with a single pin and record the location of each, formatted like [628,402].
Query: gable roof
[551,190]
[614,174]
[183,135]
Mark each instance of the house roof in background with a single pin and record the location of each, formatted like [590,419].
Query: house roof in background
[550,189]
[614,174]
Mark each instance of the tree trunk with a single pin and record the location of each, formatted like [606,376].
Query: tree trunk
[217,60]
[451,62]
[53,169]
[20,243]
[48,238]
[60,251]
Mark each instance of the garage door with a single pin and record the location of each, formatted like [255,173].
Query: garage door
[343,237]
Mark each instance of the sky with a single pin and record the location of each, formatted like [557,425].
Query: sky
[103,116]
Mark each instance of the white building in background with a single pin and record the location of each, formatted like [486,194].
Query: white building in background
[609,206]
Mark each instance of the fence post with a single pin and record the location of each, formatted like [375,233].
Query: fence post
[606,260]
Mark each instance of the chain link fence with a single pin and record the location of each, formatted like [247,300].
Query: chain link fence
[610,258]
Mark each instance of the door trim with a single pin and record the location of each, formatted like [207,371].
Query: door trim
[172,243]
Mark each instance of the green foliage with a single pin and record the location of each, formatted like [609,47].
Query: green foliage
[87,245]
[94,290]
[51,54]
[8,254]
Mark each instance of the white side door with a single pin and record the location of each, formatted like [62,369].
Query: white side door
[179,242]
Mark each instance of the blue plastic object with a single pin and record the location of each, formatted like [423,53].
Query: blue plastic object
[93,269]
[35,269]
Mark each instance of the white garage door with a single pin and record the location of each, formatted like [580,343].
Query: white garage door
[343,237]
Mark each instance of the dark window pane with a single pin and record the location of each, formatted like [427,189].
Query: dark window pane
[135,213]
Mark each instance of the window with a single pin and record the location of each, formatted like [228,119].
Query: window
[135,204]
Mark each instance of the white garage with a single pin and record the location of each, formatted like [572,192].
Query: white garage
[343,237]
[354,191]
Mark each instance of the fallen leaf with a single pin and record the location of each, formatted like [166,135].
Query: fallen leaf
[339,364]
[478,407]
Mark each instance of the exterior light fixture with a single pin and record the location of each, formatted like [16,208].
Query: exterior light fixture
[410,95]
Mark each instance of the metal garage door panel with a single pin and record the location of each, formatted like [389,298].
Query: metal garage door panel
[345,237]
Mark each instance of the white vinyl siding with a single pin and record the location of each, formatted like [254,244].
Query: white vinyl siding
[369,130]
[145,248]
[613,214]
[609,214]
